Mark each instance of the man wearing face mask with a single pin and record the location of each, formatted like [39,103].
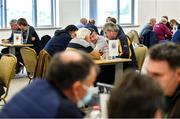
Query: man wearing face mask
[69,83]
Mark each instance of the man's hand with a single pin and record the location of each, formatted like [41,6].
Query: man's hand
[5,41]
[33,38]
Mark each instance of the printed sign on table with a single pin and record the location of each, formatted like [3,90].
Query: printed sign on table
[17,38]
[113,48]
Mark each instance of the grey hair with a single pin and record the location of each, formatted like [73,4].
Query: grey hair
[13,21]
[110,26]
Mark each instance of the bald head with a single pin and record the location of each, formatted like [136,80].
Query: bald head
[70,56]
[68,67]
[152,21]
[83,21]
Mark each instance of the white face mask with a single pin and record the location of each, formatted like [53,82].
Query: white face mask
[87,97]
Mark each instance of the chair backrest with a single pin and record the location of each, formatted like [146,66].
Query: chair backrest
[7,69]
[42,64]
[140,53]
[44,40]
[29,57]
[134,37]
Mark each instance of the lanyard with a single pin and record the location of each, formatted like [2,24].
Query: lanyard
[27,34]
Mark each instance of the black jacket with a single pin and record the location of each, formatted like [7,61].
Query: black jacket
[36,43]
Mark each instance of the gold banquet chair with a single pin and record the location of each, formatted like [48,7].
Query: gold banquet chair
[29,57]
[134,37]
[140,53]
[42,64]
[7,70]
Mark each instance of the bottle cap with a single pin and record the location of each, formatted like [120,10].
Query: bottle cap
[96,107]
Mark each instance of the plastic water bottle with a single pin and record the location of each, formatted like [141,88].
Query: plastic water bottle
[95,112]
[106,53]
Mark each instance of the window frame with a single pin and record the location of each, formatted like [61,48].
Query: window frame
[132,13]
[3,16]
[93,11]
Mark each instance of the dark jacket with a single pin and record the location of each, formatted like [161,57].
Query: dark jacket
[176,37]
[148,38]
[146,28]
[127,48]
[58,42]
[40,100]
[173,105]
[92,26]
[36,43]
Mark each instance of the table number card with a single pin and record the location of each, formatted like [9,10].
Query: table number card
[113,48]
[17,38]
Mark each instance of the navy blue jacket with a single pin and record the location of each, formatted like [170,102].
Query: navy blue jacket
[125,48]
[176,37]
[41,100]
[146,28]
[58,42]
[92,26]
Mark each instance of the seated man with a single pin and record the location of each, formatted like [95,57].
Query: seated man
[176,36]
[83,42]
[14,28]
[98,42]
[148,27]
[136,96]
[147,35]
[163,64]
[70,77]
[61,39]
[92,25]
[125,48]
[83,22]
[29,35]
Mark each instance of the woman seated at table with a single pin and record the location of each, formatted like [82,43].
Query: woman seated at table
[83,42]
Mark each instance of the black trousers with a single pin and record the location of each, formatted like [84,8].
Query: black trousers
[107,74]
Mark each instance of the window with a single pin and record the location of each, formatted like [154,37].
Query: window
[122,10]
[44,14]
[108,8]
[126,11]
[19,8]
[39,13]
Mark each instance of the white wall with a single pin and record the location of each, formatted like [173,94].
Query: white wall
[70,13]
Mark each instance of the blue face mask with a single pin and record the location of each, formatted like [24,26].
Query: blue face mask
[87,97]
